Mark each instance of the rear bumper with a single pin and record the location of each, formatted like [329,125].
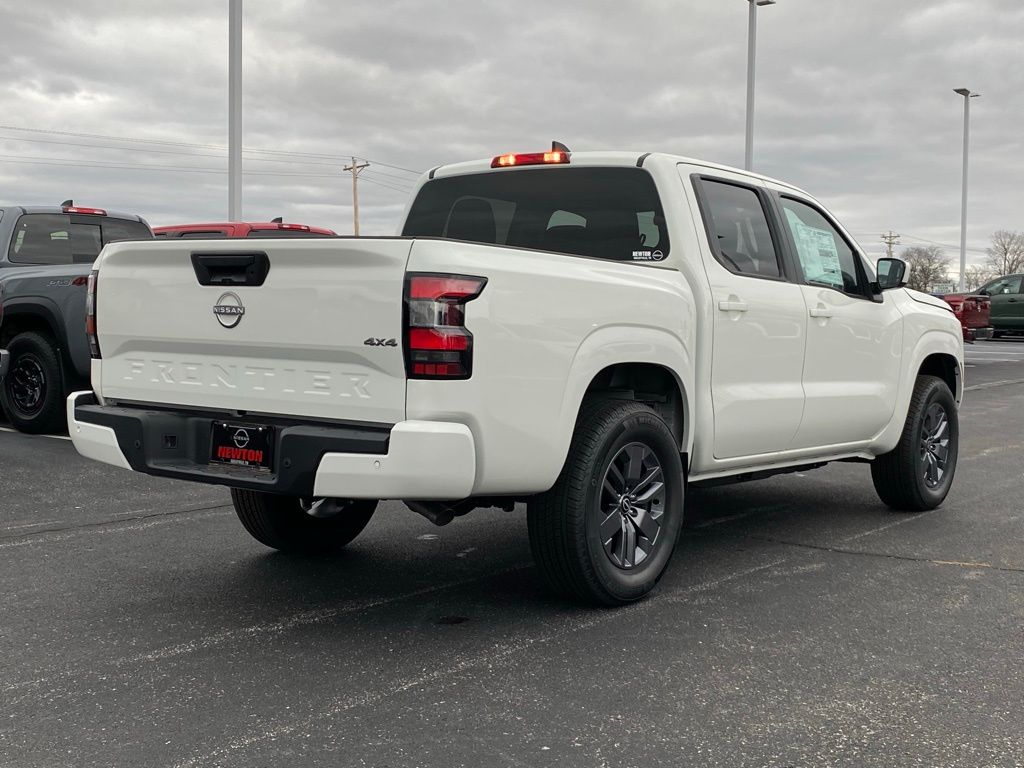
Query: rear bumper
[410,460]
[5,360]
[977,334]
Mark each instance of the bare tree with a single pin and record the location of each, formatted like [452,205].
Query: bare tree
[977,275]
[928,266]
[1006,254]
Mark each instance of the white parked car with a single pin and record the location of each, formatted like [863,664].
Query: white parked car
[587,333]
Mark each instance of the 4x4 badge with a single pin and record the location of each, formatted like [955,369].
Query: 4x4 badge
[372,342]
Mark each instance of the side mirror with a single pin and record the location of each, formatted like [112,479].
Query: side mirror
[892,273]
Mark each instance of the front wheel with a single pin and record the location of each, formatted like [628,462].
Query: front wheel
[301,526]
[606,530]
[917,474]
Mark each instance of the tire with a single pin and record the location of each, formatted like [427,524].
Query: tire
[913,477]
[565,523]
[33,391]
[285,522]
[997,334]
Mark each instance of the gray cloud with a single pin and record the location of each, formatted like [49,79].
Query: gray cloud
[855,100]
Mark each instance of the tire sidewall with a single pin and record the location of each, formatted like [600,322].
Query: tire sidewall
[649,429]
[52,407]
[937,392]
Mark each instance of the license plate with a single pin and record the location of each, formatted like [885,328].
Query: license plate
[242,445]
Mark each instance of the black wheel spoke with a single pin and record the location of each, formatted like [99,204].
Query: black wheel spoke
[652,491]
[610,527]
[634,463]
[647,525]
[627,546]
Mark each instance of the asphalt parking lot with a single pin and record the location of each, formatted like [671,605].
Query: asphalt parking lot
[801,624]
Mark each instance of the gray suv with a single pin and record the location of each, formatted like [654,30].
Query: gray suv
[47,254]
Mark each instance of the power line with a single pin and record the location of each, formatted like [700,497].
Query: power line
[388,186]
[68,163]
[137,140]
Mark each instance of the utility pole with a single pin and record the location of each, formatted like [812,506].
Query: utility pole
[355,170]
[235,110]
[891,239]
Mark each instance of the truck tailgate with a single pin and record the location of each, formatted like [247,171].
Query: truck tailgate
[313,340]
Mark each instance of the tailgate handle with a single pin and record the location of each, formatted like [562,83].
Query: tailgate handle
[231,268]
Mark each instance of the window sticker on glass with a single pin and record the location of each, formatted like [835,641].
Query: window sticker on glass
[817,250]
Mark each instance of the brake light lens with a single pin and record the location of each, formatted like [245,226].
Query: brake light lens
[555,157]
[437,343]
[294,227]
[86,211]
[90,315]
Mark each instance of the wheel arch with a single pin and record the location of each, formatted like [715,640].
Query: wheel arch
[37,314]
[944,366]
[936,353]
[620,360]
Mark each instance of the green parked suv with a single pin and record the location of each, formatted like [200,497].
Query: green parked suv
[1007,304]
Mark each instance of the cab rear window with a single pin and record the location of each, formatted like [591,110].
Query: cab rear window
[603,213]
[52,238]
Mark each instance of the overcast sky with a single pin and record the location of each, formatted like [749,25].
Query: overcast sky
[855,101]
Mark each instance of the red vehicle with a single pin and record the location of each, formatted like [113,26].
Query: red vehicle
[973,313]
[275,228]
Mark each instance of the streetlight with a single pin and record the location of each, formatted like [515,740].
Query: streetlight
[235,110]
[751,55]
[966,93]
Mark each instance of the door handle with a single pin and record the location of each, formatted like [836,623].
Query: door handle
[733,306]
[820,312]
[1012,301]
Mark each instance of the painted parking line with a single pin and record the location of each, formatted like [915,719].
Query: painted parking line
[16,432]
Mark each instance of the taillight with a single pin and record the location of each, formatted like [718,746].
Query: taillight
[90,315]
[437,343]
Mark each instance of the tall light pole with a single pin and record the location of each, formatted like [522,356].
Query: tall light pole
[748,162]
[966,93]
[235,110]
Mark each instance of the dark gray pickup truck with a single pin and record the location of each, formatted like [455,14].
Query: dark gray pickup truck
[47,254]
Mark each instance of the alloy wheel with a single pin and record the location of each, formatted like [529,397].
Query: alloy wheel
[632,502]
[27,387]
[935,444]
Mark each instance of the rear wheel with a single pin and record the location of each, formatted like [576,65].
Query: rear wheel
[33,390]
[301,526]
[607,529]
[917,474]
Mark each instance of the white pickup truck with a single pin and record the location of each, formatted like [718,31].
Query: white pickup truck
[586,333]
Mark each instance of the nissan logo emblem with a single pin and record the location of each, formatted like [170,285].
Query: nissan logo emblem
[241,438]
[229,310]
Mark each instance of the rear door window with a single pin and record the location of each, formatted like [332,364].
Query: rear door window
[738,229]
[604,213]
